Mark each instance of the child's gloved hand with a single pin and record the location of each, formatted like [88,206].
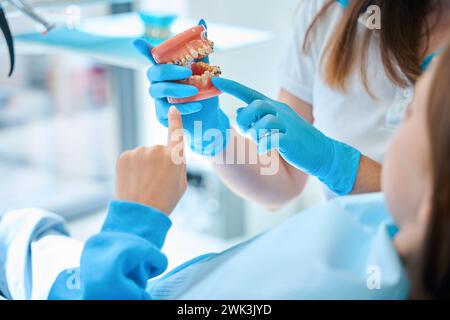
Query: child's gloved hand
[274,125]
[155,176]
[213,136]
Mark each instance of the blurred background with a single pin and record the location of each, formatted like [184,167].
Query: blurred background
[79,97]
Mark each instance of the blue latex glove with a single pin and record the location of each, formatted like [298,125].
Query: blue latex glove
[274,125]
[205,122]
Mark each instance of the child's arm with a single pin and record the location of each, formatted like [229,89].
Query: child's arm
[117,263]
[35,247]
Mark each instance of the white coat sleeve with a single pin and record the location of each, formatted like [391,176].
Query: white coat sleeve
[35,248]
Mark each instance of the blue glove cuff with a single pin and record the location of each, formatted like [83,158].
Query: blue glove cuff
[211,142]
[343,171]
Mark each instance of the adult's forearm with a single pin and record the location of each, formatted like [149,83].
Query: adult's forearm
[270,181]
[369,176]
[266,179]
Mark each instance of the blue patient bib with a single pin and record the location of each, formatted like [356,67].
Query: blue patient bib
[339,250]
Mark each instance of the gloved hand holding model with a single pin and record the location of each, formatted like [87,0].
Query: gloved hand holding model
[299,143]
[181,76]
[275,125]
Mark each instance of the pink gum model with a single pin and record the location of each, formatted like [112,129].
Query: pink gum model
[187,49]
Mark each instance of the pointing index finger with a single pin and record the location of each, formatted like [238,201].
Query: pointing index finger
[175,137]
[238,90]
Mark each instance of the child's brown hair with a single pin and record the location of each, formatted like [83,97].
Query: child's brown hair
[431,270]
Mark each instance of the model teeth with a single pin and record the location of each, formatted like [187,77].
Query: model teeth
[193,56]
[200,53]
[194,53]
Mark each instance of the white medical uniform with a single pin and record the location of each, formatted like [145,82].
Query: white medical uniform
[352,117]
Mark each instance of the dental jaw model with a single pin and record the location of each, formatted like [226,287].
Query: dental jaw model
[188,49]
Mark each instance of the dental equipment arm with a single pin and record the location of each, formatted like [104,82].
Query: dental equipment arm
[27,10]
[4,26]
